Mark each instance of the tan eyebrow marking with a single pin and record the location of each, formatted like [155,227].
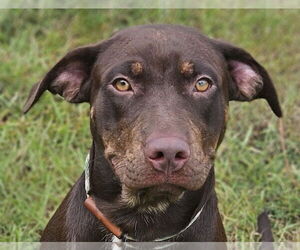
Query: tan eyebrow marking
[136,68]
[187,68]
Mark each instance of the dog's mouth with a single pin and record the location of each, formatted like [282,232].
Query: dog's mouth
[152,199]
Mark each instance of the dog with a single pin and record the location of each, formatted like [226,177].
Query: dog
[159,97]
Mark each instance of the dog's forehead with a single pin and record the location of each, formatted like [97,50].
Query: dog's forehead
[153,43]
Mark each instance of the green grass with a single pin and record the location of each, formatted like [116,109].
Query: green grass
[42,154]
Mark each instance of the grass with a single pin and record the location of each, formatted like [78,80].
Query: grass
[42,154]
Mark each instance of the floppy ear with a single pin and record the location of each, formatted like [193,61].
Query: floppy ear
[249,80]
[70,77]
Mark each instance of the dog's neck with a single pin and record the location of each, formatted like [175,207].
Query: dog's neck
[144,226]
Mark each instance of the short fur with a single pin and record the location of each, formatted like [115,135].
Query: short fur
[162,64]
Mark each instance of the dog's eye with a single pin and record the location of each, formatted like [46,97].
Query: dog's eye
[203,84]
[122,85]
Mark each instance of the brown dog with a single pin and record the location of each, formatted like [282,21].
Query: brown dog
[159,96]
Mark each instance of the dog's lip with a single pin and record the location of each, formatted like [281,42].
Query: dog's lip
[164,188]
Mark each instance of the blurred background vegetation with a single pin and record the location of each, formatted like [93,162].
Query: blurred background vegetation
[42,154]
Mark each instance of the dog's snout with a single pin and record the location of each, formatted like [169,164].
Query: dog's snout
[167,154]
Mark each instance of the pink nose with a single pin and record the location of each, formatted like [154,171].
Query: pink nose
[167,154]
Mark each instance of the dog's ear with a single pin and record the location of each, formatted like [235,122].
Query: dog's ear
[249,80]
[70,77]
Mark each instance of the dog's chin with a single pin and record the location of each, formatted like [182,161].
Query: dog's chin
[154,199]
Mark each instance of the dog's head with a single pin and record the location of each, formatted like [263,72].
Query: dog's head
[159,96]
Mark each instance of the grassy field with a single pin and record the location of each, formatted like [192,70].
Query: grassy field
[42,153]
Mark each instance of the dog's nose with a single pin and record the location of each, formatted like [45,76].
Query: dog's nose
[167,154]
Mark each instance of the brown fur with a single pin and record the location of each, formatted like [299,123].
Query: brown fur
[187,68]
[136,68]
[143,201]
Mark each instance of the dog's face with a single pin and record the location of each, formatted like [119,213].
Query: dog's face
[159,97]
